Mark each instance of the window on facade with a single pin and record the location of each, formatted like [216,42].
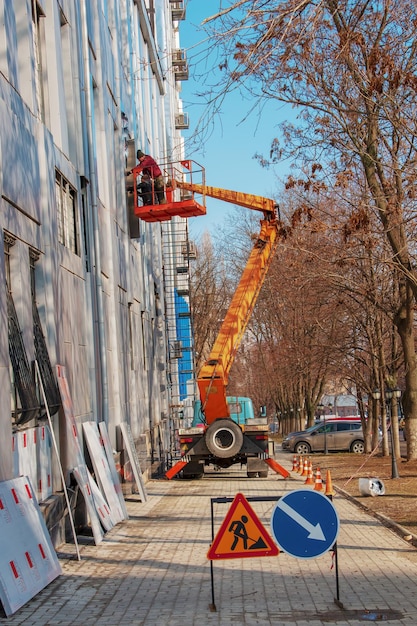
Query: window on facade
[132,334]
[8,243]
[67,214]
[90,26]
[50,387]
[151,14]
[84,234]
[38,31]
[146,340]
[24,401]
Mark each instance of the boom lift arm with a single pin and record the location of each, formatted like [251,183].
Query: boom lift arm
[213,376]
[221,440]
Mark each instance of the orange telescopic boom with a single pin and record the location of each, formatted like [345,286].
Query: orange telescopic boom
[220,440]
[213,376]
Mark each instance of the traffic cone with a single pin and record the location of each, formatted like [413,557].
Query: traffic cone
[309,480]
[318,485]
[294,464]
[305,469]
[329,487]
[300,465]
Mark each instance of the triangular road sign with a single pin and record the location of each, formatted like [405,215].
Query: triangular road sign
[241,534]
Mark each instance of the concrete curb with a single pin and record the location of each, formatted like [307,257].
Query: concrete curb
[399,530]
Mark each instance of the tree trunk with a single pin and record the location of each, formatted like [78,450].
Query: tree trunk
[404,322]
[395,433]
[372,419]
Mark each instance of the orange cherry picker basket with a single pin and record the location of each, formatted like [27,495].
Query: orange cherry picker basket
[179,199]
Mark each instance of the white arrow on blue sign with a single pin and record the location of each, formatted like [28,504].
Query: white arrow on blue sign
[305,523]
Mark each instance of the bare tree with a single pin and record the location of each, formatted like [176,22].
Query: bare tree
[209,297]
[325,313]
[350,68]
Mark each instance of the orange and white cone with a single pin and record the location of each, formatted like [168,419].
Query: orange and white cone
[309,480]
[294,464]
[300,465]
[305,468]
[318,485]
[329,487]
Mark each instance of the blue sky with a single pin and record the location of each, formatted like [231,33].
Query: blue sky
[235,135]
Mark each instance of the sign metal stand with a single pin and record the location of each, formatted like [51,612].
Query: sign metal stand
[226,500]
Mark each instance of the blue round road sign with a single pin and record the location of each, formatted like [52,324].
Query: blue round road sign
[305,523]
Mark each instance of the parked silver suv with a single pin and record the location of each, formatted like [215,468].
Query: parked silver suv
[339,435]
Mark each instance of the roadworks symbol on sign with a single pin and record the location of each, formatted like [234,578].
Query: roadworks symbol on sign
[241,534]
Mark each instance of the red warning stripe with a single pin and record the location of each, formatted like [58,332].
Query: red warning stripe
[14,494]
[14,569]
[41,550]
[28,491]
[28,559]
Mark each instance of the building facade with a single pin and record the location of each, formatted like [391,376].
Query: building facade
[84,85]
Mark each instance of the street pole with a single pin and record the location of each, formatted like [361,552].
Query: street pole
[322,409]
[396,395]
[394,468]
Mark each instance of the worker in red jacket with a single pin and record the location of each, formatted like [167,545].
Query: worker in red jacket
[148,165]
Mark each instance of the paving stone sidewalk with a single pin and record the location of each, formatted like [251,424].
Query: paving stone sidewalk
[152,569]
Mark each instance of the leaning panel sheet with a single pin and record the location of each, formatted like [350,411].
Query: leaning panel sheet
[28,561]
